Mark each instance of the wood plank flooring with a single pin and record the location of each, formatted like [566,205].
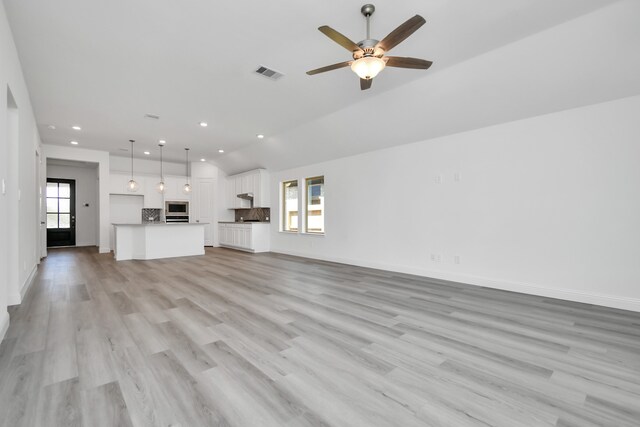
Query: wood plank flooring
[236,339]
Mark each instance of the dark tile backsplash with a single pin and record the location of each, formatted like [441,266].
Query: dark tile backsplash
[253,214]
[151,215]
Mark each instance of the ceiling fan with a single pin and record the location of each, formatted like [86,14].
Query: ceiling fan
[369,54]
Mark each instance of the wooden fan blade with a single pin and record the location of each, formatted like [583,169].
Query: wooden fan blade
[329,68]
[396,36]
[402,62]
[339,38]
[365,84]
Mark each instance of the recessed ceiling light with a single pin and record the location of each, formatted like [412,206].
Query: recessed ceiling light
[203,160]
[260,136]
[204,124]
[76,128]
[162,141]
[73,142]
[147,153]
[52,127]
[221,151]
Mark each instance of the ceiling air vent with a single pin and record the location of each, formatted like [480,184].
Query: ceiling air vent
[269,73]
[151,116]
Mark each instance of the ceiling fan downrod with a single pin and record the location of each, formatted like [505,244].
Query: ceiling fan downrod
[367,10]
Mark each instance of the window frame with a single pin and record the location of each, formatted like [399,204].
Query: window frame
[283,206]
[306,203]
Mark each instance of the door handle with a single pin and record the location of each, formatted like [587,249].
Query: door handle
[42,223]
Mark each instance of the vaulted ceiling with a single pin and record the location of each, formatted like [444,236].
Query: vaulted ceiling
[104,65]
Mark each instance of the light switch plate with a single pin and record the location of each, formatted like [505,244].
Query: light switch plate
[4,187]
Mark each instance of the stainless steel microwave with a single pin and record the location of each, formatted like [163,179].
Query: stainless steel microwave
[176,208]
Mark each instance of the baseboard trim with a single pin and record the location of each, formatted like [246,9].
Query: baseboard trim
[27,284]
[16,298]
[4,324]
[612,301]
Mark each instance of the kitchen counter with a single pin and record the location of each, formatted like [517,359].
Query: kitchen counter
[244,222]
[158,240]
[149,224]
[251,236]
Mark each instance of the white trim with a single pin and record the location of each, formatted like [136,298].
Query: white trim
[16,299]
[632,304]
[4,324]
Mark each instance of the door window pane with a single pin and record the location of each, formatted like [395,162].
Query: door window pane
[65,221]
[314,212]
[65,190]
[52,220]
[290,206]
[52,205]
[65,205]
[52,189]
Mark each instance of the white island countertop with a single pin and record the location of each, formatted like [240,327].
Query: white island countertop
[158,240]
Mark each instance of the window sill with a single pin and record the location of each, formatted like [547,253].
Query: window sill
[314,234]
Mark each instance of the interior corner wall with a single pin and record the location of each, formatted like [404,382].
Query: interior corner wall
[18,172]
[86,208]
[91,156]
[547,206]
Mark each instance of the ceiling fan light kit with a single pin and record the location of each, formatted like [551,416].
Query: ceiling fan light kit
[369,54]
[368,67]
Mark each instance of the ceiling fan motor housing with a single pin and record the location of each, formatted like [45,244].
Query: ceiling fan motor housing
[369,48]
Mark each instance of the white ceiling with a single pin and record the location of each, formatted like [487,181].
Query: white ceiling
[104,65]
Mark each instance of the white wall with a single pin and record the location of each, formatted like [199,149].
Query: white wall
[91,156]
[145,166]
[547,206]
[86,179]
[18,219]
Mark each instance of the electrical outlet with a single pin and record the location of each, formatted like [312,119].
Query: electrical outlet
[435,257]
[457,177]
[4,187]
[438,179]
[456,259]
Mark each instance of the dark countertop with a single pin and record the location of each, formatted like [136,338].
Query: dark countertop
[244,222]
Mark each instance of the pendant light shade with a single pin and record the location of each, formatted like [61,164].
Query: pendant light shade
[160,185]
[132,185]
[187,187]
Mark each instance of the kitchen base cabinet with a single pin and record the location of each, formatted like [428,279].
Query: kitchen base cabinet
[252,237]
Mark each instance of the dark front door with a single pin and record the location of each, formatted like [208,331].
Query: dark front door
[61,212]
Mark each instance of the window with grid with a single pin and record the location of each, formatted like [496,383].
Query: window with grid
[290,206]
[58,205]
[314,212]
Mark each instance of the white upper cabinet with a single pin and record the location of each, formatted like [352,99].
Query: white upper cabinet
[173,188]
[118,183]
[152,198]
[255,182]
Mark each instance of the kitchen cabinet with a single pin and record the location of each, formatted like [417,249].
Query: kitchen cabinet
[152,198]
[252,237]
[173,188]
[147,187]
[255,182]
[118,183]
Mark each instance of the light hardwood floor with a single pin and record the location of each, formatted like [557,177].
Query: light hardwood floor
[236,339]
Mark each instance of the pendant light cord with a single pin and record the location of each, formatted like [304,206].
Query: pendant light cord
[131,140]
[187,150]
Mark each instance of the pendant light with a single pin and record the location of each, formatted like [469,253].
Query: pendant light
[187,187]
[132,185]
[160,186]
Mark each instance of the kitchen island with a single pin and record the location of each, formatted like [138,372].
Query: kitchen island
[158,240]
